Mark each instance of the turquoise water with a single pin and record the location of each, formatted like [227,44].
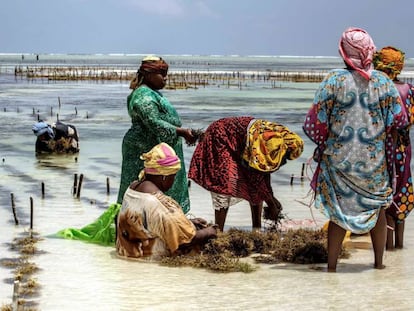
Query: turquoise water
[74,275]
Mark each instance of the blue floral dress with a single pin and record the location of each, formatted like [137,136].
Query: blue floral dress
[349,121]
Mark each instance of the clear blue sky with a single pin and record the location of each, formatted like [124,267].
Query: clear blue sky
[242,27]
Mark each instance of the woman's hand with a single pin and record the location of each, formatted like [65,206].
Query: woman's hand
[272,210]
[187,134]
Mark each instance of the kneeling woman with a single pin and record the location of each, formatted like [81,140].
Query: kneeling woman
[152,224]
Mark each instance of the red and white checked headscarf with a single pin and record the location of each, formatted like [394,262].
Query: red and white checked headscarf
[357,48]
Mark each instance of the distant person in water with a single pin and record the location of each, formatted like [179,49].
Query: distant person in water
[56,138]
[391,61]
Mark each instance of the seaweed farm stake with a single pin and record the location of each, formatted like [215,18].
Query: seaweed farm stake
[43,189]
[31,215]
[107,185]
[15,294]
[75,183]
[16,221]
[302,174]
[79,186]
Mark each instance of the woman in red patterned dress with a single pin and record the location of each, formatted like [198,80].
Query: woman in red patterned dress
[234,161]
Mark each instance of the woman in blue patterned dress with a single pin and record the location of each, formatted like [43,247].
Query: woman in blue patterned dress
[154,120]
[353,110]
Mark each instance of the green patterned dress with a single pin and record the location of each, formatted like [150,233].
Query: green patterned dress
[154,120]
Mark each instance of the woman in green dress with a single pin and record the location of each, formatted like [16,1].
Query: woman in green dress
[154,120]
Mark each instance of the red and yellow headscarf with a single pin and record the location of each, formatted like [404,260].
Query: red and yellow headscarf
[389,60]
[269,144]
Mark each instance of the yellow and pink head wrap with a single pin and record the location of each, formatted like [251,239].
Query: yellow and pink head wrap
[357,48]
[160,160]
[389,60]
[269,145]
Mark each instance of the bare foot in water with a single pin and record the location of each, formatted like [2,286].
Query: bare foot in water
[324,269]
[379,267]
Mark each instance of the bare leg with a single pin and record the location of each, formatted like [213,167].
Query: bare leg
[272,210]
[399,234]
[256,215]
[220,217]
[336,236]
[379,239]
[390,232]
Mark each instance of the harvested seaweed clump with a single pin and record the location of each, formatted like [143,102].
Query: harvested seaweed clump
[299,246]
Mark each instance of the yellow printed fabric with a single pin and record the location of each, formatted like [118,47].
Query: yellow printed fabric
[269,145]
[389,60]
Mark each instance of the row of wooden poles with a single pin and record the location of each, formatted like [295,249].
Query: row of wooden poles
[77,185]
[176,79]
[76,191]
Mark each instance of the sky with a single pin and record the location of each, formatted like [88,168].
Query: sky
[200,27]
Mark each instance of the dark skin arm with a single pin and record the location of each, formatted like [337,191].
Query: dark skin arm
[187,135]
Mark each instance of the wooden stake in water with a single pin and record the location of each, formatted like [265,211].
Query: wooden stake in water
[31,214]
[107,185]
[79,186]
[16,221]
[15,295]
[75,183]
[291,179]
[43,189]
[59,102]
[302,175]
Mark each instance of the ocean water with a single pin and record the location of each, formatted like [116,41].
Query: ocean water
[78,276]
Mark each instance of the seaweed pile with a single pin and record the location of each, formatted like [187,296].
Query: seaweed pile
[226,253]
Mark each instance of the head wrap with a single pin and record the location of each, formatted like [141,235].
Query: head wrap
[269,144]
[41,128]
[153,64]
[160,160]
[149,64]
[357,48]
[389,60]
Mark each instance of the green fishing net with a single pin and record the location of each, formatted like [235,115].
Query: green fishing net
[101,231]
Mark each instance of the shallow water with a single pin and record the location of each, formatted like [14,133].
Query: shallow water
[78,276]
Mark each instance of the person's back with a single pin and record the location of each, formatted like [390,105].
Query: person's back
[352,112]
[56,138]
[66,137]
